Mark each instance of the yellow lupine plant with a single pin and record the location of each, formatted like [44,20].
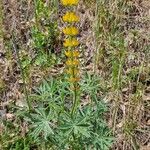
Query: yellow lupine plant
[71,71]
[69,2]
[70,43]
[72,62]
[70,17]
[70,53]
[71,31]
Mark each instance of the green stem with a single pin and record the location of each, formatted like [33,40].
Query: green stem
[1,19]
[114,117]
[22,72]
[35,13]
[74,100]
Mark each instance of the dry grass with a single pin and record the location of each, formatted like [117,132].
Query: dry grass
[124,65]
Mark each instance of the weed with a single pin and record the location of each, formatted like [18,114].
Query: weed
[44,33]
[114,44]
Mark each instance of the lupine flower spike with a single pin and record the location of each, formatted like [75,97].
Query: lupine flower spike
[71,43]
[69,2]
[70,17]
[71,31]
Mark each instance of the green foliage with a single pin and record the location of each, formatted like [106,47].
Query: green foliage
[52,124]
[41,123]
[2,85]
[90,84]
[12,137]
[44,33]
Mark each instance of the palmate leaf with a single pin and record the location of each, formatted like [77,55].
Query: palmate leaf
[46,91]
[90,84]
[77,125]
[42,123]
[102,138]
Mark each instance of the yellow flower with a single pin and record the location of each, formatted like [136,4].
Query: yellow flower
[70,17]
[69,2]
[71,42]
[72,71]
[73,79]
[70,53]
[74,88]
[76,53]
[74,62]
[70,31]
